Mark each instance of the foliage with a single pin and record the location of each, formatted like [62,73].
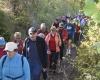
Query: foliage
[48,10]
[92,8]
[4,23]
[26,13]
[88,60]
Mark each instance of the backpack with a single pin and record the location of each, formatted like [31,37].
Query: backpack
[4,59]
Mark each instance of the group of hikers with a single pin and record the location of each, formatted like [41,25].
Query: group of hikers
[41,50]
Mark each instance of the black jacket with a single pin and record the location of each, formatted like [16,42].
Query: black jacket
[41,48]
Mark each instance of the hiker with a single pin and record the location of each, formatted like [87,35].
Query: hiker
[64,37]
[13,66]
[56,23]
[36,52]
[71,29]
[45,76]
[2,45]
[43,29]
[17,39]
[53,43]
[77,33]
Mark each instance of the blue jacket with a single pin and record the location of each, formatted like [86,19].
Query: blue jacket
[70,28]
[12,68]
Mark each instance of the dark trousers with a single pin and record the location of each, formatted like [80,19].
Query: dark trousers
[35,72]
[76,38]
[44,73]
[53,60]
[61,51]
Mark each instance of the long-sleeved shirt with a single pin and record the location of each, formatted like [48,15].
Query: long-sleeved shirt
[13,68]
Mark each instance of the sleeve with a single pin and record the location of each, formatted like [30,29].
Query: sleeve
[60,43]
[44,56]
[20,46]
[42,51]
[65,35]
[47,42]
[1,60]
[26,69]
[24,47]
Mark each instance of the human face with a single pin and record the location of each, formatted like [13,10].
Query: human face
[53,31]
[60,28]
[10,53]
[33,36]
[17,38]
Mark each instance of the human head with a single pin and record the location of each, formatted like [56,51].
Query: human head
[2,42]
[53,29]
[17,35]
[11,48]
[56,21]
[61,25]
[43,26]
[32,32]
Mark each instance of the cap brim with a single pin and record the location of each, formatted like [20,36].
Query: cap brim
[6,49]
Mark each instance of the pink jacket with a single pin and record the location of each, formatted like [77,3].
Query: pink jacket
[57,40]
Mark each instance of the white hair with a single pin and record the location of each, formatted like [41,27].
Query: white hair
[17,34]
[42,25]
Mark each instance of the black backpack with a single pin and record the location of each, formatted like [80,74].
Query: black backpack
[4,59]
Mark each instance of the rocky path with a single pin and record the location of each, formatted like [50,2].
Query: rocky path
[66,70]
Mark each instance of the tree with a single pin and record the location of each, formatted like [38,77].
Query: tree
[88,60]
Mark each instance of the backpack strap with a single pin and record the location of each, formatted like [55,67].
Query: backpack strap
[3,61]
[26,46]
[22,59]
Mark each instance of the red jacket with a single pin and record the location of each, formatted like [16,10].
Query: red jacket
[57,41]
[20,46]
[77,29]
[64,34]
[1,52]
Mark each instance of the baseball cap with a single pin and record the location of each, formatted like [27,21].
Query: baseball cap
[10,46]
[32,30]
[61,24]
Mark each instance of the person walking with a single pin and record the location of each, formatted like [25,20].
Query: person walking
[53,44]
[13,66]
[36,52]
